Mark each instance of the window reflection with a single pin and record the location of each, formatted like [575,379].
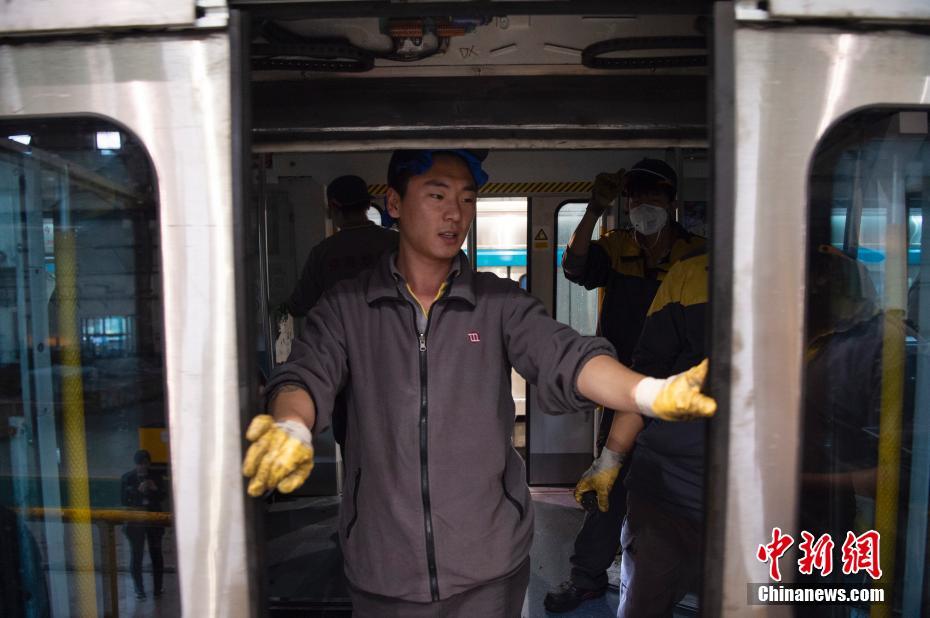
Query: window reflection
[81,376]
[865,461]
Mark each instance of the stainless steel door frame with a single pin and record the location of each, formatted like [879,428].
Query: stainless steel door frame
[29,16]
[900,10]
[173,92]
[787,85]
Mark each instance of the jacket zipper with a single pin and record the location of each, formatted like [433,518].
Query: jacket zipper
[424,458]
[358,480]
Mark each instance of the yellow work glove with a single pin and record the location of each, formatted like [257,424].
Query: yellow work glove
[606,189]
[677,398]
[281,455]
[600,477]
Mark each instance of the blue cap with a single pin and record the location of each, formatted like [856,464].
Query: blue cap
[415,162]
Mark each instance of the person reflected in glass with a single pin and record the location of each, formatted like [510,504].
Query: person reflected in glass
[846,328]
[23,589]
[144,489]
[845,366]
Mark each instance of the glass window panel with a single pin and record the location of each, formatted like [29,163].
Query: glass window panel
[500,227]
[574,305]
[865,462]
[81,376]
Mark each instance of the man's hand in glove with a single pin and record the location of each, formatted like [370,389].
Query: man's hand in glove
[281,455]
[677,398]
[606,189]
[600,477]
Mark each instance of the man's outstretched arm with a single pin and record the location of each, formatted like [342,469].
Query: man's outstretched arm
[605,381]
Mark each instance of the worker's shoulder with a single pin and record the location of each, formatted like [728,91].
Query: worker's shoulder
[351,289]
[619,242]
[620,236]
[365,235]
[384,234]
[686,244]
[685,283]
[690,264]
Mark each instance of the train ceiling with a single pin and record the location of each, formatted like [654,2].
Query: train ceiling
[504,70]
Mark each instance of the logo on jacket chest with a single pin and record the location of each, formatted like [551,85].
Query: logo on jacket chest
[474,337]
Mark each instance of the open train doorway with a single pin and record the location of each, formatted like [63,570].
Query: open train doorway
[525,215]
[335,89]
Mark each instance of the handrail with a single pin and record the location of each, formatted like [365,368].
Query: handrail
[112,516]
[107,519]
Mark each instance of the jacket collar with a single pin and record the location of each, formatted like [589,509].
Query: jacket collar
[631,248]
[384,279]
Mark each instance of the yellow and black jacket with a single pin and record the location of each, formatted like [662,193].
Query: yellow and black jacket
[668,461]
[617,263]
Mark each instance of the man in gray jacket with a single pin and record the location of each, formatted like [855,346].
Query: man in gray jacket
[436,517]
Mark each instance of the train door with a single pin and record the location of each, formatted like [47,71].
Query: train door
[119,319]
[820,348]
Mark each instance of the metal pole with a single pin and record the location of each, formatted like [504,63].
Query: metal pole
[33,282]
[72,394]
[269,329]
[892,386]
[108,540]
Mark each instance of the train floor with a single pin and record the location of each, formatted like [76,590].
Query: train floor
[293,547]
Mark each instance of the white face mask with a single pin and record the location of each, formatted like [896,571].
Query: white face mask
[648,219]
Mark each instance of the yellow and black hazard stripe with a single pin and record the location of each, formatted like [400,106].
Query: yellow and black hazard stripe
[515,188]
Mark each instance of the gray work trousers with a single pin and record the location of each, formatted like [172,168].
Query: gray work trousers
[502,598]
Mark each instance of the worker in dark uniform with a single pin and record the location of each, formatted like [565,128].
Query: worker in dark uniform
[629,264]
[356,246]
[662,531]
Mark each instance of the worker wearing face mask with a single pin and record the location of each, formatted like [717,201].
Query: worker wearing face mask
[629,264]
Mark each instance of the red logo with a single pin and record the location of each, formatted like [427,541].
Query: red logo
[771,552]
[473,337]
[859,553]
[817,555]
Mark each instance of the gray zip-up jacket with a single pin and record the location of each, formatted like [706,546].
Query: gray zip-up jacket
[435,500]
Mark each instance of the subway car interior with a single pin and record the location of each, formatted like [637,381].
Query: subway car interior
[512,85]
[163,179]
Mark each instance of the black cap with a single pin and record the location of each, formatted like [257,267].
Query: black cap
[142,456]
[348,192]
[649,174]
